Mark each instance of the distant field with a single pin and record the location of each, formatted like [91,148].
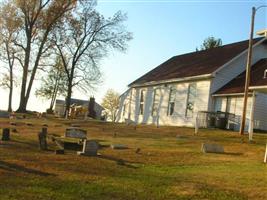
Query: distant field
[167,167]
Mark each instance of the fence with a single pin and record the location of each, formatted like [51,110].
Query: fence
[221,120]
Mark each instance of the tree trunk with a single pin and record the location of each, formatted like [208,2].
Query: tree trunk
[10,90]
[23,102]
[68,100]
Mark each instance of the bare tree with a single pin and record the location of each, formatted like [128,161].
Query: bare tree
[111,103]
[54,84]
[82,40]
[10,24]
[38,18]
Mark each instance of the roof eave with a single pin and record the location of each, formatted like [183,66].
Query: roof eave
[175,80]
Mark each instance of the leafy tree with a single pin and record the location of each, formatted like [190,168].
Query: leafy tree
[54,84]
[38,18]
[9,26]
[82,40]
[209,43]
[111,103]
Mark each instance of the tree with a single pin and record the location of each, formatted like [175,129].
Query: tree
[111,103]
[9,26]
[82,40]
[38,18]
[209,43]
[53,84]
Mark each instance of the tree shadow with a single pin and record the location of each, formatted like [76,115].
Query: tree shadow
[17,168]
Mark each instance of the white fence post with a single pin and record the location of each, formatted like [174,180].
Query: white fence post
[265,157]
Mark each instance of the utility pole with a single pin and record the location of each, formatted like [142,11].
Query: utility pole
[249,61]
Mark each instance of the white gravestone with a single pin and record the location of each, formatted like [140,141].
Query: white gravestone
[76,133]
[265,157]
[212,148]
[90,148]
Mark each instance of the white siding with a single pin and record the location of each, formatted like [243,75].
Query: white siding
[260,112]
[178,118]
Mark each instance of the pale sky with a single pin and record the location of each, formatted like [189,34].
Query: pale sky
[162,29]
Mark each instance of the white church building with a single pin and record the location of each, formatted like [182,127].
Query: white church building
[210,80]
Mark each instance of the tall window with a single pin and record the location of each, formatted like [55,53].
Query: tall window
[171,104]
[124,109]
[191,97]
[155,106]
[142,100]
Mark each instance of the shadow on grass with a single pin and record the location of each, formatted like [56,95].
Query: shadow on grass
[233,154]
[17,168]
[118,161]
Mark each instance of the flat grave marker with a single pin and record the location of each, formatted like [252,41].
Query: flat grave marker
[212,148]
[119,146]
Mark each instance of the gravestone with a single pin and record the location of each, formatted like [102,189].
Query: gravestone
[90,148]
[4,114]
[212,148]
[76,133]
[265,157]
[118,146]
[42,139]
[6,134]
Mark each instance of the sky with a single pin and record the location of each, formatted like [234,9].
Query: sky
[162,29]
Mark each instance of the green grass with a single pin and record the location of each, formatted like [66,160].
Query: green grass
[166,168]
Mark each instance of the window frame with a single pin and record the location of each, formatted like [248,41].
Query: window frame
[191,101]
[171,102]
[142,102]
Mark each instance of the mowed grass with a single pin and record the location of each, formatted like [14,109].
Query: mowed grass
[167,167]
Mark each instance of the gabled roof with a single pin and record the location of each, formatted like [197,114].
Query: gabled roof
[237,85]
[195,63]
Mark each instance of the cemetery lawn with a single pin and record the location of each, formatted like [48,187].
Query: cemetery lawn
[167,166]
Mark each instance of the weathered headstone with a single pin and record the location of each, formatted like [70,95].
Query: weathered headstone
[265,157]
[118,146]
[6,134]
[4,114]
[90,148]
[212,148]
[76,133]
[42,139]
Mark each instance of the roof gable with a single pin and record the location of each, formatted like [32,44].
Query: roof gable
[195,63]
[237,85]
